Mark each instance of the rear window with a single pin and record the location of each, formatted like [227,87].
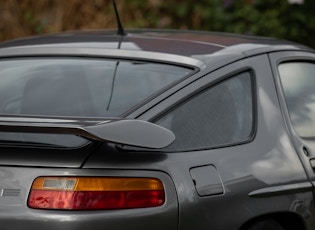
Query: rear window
[79,86]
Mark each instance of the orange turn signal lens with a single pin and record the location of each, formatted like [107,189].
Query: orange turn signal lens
[88,193]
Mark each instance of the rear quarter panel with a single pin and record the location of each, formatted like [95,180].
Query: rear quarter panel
[268,161]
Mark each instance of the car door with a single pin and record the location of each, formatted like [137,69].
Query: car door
[232,160]
[294,74]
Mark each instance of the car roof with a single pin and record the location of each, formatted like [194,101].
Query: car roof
[199,45]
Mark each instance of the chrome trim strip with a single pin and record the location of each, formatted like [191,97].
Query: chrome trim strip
[281,190]
[10,192]
[33,51]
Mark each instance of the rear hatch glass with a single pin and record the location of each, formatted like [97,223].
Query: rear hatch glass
[80,87]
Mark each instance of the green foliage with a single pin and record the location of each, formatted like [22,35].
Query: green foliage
[37,26]
[275,18]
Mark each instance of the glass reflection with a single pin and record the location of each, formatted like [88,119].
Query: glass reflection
[298,82]
[80,87]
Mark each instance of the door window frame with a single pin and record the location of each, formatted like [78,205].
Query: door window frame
[276,59]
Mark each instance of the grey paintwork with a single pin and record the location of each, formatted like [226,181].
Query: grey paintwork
[220,188]
[266,162]
[304,147]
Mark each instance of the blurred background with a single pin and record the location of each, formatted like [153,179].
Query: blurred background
[286,19]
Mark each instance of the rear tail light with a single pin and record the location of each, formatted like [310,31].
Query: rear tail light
[95,193]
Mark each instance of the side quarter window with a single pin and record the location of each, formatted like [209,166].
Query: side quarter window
[218,116]
[298,83]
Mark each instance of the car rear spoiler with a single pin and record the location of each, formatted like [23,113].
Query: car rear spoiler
[131,132]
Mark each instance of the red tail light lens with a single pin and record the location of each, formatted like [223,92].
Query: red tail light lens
[95,193]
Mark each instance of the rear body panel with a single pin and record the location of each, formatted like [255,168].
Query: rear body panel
[16,215]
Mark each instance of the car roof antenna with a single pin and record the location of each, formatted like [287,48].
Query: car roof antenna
[121,30]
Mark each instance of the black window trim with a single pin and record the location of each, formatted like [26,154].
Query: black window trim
[219,80]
